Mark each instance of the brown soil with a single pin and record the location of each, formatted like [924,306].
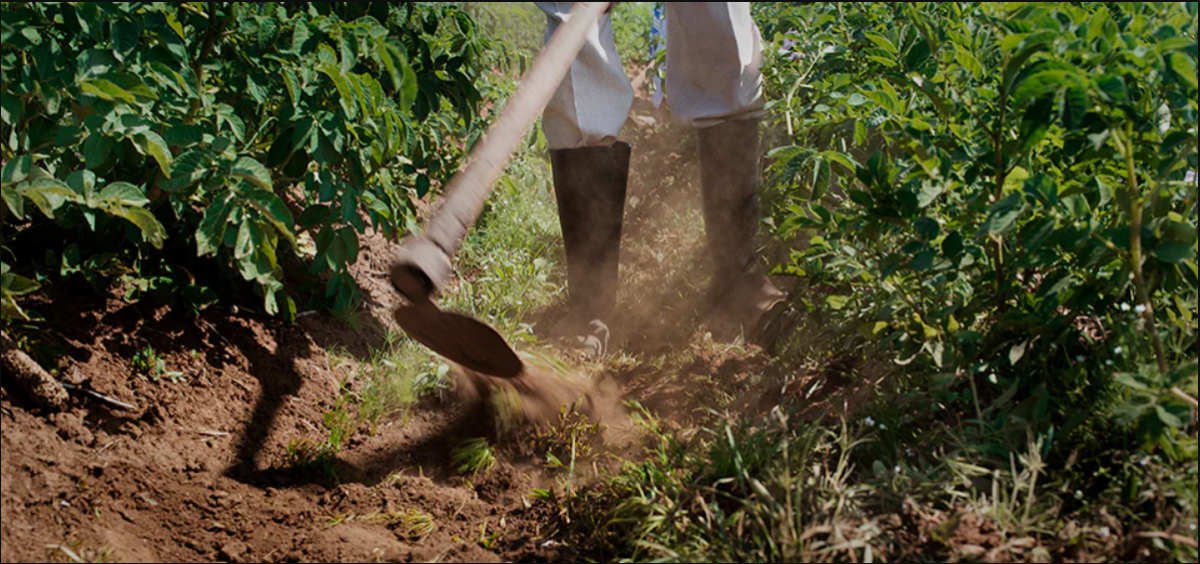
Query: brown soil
[200,471]
[197,472]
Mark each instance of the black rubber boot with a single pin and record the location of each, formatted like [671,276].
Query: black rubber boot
[590,185]
[740,294]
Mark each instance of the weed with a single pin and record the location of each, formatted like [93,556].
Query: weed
[77,552]
[474,457]
[572,430]
[413,525]
[151,364]
[487,541]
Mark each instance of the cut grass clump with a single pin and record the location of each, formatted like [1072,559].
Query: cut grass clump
[474,457]
[411,526]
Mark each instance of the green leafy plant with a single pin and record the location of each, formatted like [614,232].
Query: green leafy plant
[985,188]
[244,133]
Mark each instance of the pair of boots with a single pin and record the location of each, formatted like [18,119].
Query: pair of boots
[590,185]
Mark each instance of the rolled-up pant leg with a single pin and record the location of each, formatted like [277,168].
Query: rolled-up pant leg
[714,62]
[592,103]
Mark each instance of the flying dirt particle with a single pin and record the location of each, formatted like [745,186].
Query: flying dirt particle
[537,397]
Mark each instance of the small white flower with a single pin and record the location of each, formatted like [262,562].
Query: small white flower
[1108,363]
[870,422]
[1105,532]
[1191,177]
[1080,359]
[1119,350]
[909,452]
[1145,461]
[1192,526]
[1140,309]
[1125,307]
[882,427]
[896,469]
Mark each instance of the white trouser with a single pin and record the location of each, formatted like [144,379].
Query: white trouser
[714,54]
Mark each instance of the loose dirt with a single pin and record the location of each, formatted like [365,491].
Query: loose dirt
[199,473]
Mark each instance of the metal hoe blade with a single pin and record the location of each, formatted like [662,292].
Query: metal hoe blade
[461,339]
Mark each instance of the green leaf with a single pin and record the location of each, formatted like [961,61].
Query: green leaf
[837,303]
[16,170]
[11,109]
[152,145]
[82,182]
[966,59]
[144,220]
[126,34]
[276,212]
[13,201]
[856,99]
[927,228]
[187,170]
[226,114]
[1035,124]
[923,261]
[1113,88]
[124,194]
[49,194]
[391,59]
[822,173]
[1043,83]
[345,91]
[1169,419]
[16,285]
[882,42]
[118,87]
[97,149]
[1184,68]
[106,90]
[259,263]
[343,249]
[211,232]
[1076,102]
[349,239]
[1175,252]
[253,172]
[300,37]
[348,51]
[245,238]
[1028,45]
[953,246]
[315,215]
[422,185]
[408,89]
[1003,216]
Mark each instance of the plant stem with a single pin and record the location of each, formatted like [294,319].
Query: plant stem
[1136,210]
[1001,178]
[215,26]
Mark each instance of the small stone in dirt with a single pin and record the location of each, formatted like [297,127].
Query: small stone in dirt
[233,552]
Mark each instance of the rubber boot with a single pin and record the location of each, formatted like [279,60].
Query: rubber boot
[590,186]
[740,294]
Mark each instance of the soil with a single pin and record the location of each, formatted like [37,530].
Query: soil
[199,471]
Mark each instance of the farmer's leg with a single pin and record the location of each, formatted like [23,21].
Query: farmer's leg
[591,169]
[591,106]
[714,84]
